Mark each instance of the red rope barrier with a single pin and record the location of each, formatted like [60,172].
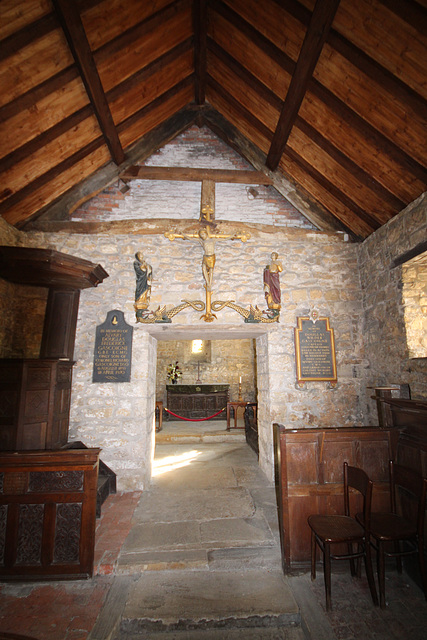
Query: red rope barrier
[195,419]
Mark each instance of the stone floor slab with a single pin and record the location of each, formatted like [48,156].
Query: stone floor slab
[162,535]
[250,477]
[178,601]
[238,558]
[205,504]
[195,476]
[233,532]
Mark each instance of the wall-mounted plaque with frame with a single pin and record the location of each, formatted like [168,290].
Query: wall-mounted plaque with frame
[113,349]
[315,351]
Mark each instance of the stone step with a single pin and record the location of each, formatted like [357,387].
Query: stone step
[210,604]
[163,437]
[258,633]
[234,559]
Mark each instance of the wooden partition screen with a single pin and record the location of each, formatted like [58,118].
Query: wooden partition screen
[309,477]
[47,514]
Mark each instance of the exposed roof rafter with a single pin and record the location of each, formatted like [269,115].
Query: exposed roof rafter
[200,16]
[333,100]
[317,32]
[72,26]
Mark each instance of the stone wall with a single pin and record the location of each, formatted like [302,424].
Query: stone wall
[230,359]
[155,199]
[414,292]
[22,308]
[384,326]
[320,271]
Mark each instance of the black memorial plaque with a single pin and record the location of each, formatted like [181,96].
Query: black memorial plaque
[315,351]
[113,349]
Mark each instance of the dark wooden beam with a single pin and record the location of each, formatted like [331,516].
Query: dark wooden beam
[409,11]
[370,67]
[44,138]
[361,126]
[28,99]
[200,22]
[411,254]
[27,35]
[188,174]
[315,37]
[283,183]
[357,211]
[330,148]
[60,208]
[71,23]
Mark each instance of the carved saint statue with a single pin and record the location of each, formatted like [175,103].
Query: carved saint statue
[144,274]
[272,282]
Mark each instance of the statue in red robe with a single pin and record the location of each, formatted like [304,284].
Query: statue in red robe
[272,282]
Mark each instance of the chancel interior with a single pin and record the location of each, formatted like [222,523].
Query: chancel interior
[221,172]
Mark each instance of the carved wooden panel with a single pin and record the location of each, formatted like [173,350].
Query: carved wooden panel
[47,513]
[67,533]
[197,401]
[30,533]
[35,411]
[44,481]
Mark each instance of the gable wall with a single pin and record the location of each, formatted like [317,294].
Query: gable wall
[196,148]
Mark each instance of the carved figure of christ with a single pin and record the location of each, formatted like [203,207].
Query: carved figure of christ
[207,241]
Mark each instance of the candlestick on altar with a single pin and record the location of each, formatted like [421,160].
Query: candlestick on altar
[240,389]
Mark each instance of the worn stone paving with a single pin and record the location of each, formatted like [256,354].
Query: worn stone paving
[89,610]
[353,616]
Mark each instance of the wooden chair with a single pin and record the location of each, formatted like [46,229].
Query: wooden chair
[328,530]
[394,535]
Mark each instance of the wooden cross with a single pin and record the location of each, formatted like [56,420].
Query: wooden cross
[207,239]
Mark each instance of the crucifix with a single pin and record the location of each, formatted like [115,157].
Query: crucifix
[206,236]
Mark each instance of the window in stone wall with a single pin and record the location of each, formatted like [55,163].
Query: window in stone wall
[414,292]
[197,351]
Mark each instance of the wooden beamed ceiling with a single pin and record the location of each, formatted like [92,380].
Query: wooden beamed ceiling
[327,99]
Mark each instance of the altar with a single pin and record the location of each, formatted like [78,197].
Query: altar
[197,400]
